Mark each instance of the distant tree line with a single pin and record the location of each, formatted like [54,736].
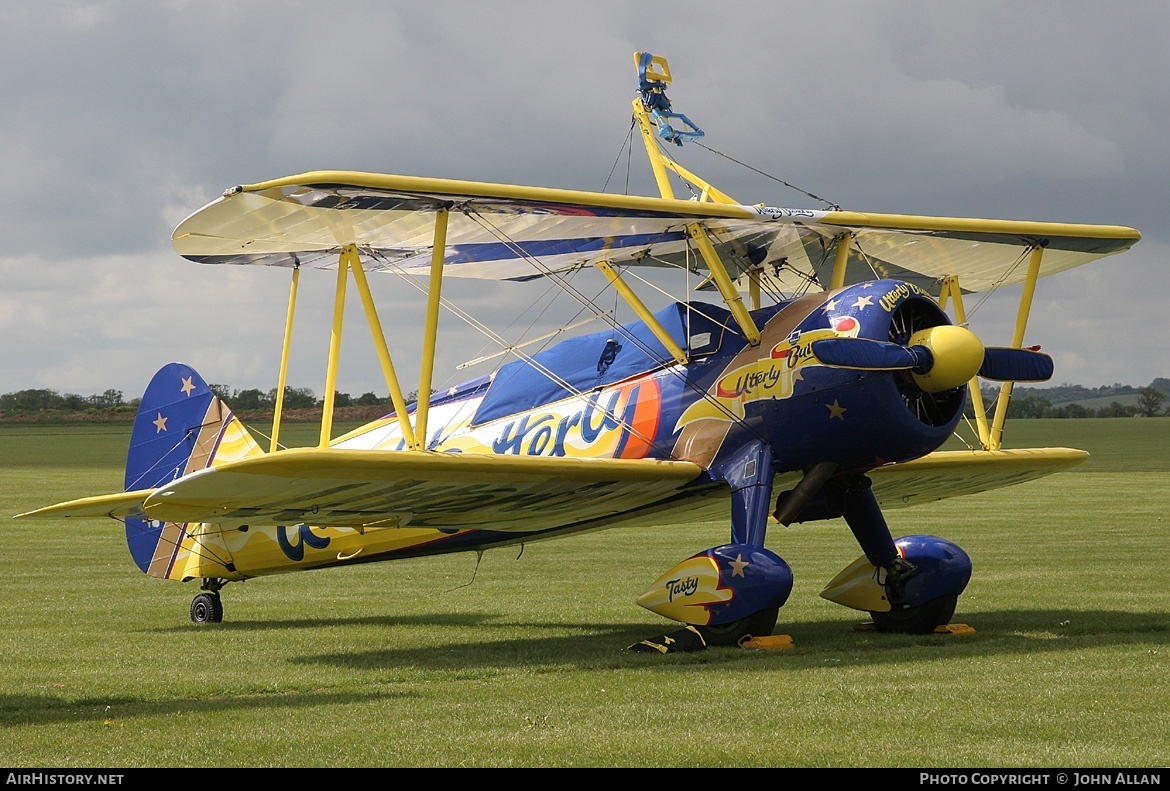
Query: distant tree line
[49,402]
[1033,403]
[1026,402]
[24,402]
[294,398]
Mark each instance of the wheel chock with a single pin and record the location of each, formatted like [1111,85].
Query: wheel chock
[771,642]
[955,629]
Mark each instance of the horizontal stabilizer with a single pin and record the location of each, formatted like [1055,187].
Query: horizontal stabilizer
[869,355]
[1005,364]
[117,506]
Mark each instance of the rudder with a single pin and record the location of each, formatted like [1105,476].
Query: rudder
[181,427]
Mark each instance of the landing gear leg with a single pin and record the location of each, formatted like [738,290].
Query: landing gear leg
[738,587]
[207,607]
[864,517]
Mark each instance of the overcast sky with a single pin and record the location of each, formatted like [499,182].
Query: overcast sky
[118,119]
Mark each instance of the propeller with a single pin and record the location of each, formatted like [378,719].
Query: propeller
[939,358]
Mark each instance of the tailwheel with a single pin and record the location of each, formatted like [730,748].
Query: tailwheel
[922,619]
[207,608]
[758,624]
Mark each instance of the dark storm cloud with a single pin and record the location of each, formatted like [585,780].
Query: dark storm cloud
[119,118]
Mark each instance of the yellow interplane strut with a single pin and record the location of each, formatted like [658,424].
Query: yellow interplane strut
[284,353]
[347,254]
[950,288]
[396,397]
[754,287]
[434,291]
[841,260]
[1005,390]
[723,283]
[643,312]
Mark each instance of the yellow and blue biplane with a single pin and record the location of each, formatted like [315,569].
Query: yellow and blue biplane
[819,384]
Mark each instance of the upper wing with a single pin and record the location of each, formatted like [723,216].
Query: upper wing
[513,232]
[348,488]
[944,474]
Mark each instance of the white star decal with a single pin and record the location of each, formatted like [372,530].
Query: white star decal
[160,424]
[187,386]
[738,565]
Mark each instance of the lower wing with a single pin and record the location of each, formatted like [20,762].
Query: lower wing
[944,474]
[360,489]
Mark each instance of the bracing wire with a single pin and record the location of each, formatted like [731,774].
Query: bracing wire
[830,204]
[590,304]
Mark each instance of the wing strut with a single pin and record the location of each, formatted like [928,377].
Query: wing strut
[1005,390]
[723,282]
[643,312]
[349,261]
[950,288]
[753,275]
[347,254]
[396,397]
[841,260]
[434,291]
[288,325]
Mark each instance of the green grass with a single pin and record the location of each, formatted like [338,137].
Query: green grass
[516,659]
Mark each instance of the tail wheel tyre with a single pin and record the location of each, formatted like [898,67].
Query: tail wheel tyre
[917,620]
[758,624]
[206,608]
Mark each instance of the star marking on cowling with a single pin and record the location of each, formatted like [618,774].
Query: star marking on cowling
[738,565]
[797,375]
[187,386]
[863,302]
[160,424]
[836,410]
[830,305]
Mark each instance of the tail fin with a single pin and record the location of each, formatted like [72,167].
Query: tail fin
[181,427]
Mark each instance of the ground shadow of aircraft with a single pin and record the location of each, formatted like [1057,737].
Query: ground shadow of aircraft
[591,644]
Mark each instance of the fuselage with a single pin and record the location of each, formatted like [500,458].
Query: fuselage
[730,391]
[615,395]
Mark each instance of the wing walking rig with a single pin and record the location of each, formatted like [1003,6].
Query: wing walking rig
[829,404]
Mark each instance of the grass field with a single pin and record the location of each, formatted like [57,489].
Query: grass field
[518,661]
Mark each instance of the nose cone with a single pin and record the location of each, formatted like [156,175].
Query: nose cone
[957,355]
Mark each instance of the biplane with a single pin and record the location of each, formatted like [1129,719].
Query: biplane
[811,371]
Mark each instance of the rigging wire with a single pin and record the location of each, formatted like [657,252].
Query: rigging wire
[1027,251]
[627,147]
[178,441]
[830,204]
[528,359]
[590,304]
[199,549]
